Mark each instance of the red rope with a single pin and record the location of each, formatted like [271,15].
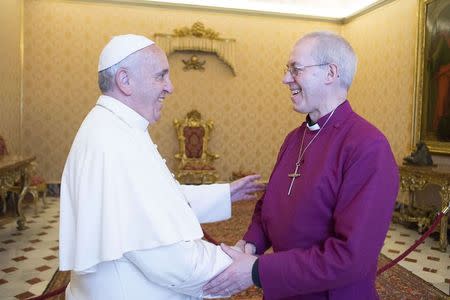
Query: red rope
[50,294]
[414,246]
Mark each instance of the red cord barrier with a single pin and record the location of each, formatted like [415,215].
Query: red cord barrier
[50,294]
[379,271]
[414,246]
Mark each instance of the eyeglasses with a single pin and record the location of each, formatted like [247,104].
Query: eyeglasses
[295,71]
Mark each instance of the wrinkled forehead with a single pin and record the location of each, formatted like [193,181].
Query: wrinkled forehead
[155,57]
[302,52]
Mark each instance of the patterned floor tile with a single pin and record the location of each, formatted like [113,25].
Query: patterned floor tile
[24,295]
[32,254]
[50,257]
[427,261]
[19,258]
[9,270]
[34,280]
[27,249]
[43,268]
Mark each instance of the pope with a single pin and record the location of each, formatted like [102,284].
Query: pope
[128,229]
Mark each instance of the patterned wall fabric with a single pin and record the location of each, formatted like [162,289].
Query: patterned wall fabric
[10,73]
[383,90]
[252,111]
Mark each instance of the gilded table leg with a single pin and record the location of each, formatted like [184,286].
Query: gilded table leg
[21,220]
[445,195]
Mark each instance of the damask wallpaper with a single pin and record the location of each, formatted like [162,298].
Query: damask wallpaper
[383,90]
[10,24]
[252,111]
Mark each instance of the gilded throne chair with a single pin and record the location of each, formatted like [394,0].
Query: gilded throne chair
[196,162]
[38,185]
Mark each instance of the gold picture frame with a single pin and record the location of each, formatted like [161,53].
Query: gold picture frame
[432,89]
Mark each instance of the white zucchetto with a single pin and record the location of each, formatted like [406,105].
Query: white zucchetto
[120,47]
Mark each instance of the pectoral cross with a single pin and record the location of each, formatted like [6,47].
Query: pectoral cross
[293,176]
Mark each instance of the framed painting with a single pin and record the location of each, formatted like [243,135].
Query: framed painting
[432,86]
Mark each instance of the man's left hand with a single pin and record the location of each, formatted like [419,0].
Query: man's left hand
[237,277]
[246,187]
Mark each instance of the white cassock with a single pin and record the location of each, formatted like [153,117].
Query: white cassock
[128,230]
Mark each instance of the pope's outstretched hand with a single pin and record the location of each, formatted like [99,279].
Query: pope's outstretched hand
[246,187]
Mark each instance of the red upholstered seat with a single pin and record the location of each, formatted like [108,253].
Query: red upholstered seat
[196,163]
[194,141]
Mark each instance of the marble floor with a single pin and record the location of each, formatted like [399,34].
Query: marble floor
[28,258]
[427,261]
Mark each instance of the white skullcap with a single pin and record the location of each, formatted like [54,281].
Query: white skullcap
[119,47]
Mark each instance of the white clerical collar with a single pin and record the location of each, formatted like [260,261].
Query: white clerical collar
[123,112]
[313,127]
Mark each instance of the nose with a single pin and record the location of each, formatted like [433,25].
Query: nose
[169,86]
[287,78]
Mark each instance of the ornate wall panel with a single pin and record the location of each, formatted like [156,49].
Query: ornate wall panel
[10,25]
[252,112]
[383,89]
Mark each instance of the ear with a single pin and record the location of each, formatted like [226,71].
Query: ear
[332,74]
[122,80]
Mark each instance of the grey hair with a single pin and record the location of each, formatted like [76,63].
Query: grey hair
[107,76]
[330,47]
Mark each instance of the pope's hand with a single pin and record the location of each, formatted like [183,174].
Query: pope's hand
[245,247]
[237,277]
[245,188]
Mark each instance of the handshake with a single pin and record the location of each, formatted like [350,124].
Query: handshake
[238,276]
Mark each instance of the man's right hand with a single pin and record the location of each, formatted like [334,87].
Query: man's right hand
[247,248]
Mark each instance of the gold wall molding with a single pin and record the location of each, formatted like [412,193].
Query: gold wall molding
[199,38]
[198,30]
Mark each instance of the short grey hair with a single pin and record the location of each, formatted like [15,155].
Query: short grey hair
[330,47]
[107,76]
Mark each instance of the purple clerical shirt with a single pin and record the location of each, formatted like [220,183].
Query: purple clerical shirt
[327,234]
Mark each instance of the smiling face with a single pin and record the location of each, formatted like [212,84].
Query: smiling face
[306,84]
[150,83]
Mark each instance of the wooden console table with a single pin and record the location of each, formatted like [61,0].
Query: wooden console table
[415,178]
[14,170]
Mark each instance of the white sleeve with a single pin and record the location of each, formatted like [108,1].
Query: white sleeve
[184,267]
[210,202]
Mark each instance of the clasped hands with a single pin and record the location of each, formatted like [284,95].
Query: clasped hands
[238,276]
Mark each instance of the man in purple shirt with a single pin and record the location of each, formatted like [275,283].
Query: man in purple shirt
[331,194]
